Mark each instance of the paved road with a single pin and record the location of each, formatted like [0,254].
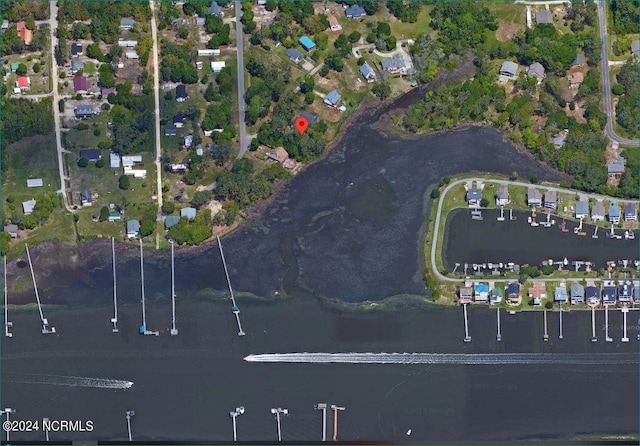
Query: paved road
[53,25]
[156,97]
[434,267]
[606,87]
[240,58]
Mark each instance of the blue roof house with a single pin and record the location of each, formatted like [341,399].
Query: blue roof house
[332,98]
[355,12]
[307,43]
[215,9]
[560,294]
[614,213]
[367,72]
[189,212]
[609,293]
[481,292]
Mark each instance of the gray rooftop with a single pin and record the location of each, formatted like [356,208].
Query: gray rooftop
[503,193]
[533,193]
[509,68]
[34,182]
[474,194]
[582,207]
[614,210]
[28,206]
[189,212]
[617,166]
[635,46]
[133,226]
[536,70]
[294,54]
[598,209]
[310,117]
[395,62]
[550,196]
[577,290]
[544,16]
[332,98]
[355,11]
[578,61]
[630,209]
[366,70]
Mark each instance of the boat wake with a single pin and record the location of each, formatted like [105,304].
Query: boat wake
[60,380]
[449,358]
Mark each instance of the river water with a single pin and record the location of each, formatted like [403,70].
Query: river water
[347,228]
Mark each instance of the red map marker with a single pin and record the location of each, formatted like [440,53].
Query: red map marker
[301,124]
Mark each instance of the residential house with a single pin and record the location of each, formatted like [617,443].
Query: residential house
[200,21]
[334,25]
[132,55]
[578,61]
[5,25]
[76,50]
[597,212]
[28,206]
[189,212]
[560,294]
[127,23]
[107,91]
[465,295]
[199,150]
[513,293]
[630,212]
[81,84]
[24,33]
[307,43]
[495,296]
[76,65]
[178,119]
[170,131]
[171,220]
[85,111]
[635,48]
[576,293]
[130,160]
[582,209]
[35,182]
[209,52]
[367,72]
[616,168]
[128,43]
[551,199]
[188,140]
[178,168]
[592,295]
[217,65]
[625,292]
[133,228]
[609,292]
[508,71]
[12,230]
[23,83]
[332,99]
[91,154]
[311,118]
[114,161]
[537,292]
[502,196]
[474,197]
[614,213]
[355,12]
[576,79]
[481,292]
[534,197]
[135,173]
[177,23]
[85,197]
[278,154]
[536,70]
[181,93]
[636,291]
[394,65]
[215,9]
[295,55]
[544,16]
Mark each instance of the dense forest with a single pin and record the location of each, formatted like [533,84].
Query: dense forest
[625,17]
[627,107]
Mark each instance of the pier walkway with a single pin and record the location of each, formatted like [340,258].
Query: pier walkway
[436,231]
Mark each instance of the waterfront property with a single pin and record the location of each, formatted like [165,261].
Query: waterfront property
[636,291]
[551,199]
[513,293]
[188,212]
[502,196]
[614,213]
[592,294]
[12,230]
[609,292]
[537,292]
[332,99]
[133,228]
[576,293]
[474,197]
[597,213]
[465,294]
[495,297]
[560,294]
[582,209]
[625,292]
[481,292]
[630,212]
[534,197]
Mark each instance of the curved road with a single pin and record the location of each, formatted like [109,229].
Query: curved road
[606,87]
[434,246]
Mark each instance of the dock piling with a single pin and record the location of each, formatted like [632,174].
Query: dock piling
[335,420]
[467,338]
[606,324]
[498,335]
[114,319]
[560,332]
[593,325]
[7,324]
[545,338]
[624,310]
[323,408]
[174,330]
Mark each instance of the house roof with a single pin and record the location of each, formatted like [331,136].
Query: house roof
[630,209]
[355,11]
[107,91]
[544,16]
[511,68]
[559,141]
[311,118]
[85,195]
[533,194]
[170,221]
[395,62]
[23,81]
[76,65]
[11,228]
[551,196]
[332,98]
[503,192]
[536,70]
[35,182]
[578,61]
[28,206]
[496,292]
[614,210]
[577,290]
[181,91]
[5,24]
[617,166]
[577,77]
[582,207]
[538,289]
[215,9]
[76,49]
[127,21]
[114,160]
[333,22]
[91,154]
[188,140]
[178,117]
[294,54]
[81,83]
[474,194]
[200,21]
[14,66]
[133,226]
[366,71]
[592,291]
[598,209]
[513,288]
[560,293]
[84,109]
[279,154]
[635,46]
[189,212]
[170,131]
[306,42]
[481,288]
[24,33]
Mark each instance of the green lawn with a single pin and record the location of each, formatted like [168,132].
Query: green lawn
[84,139]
